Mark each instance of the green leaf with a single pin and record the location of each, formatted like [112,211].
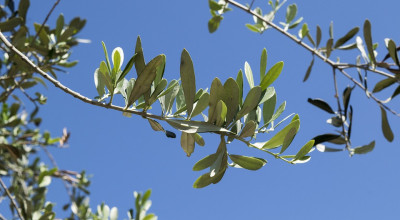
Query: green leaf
[249,129]
[250,163]
[321,104]
[364,149]
[278,112]
[278,138]
[117,59]
[288,139]
[187,143]
[291,12]
[195,126]
[159,88]
[10,24]
[368,41]
[329,47]
[200,105]
[140,64]
[331,30]
[324,138]
[319,35]
[106,76]
[323,148]
[391,46]
[144,80]
[231,99]
[59,26]
[216,92]
[296,23]
[98,82]
[346,37]
[303,32]
[23,8]
[155,125]
[304,150]
[387,131]
[253,28]
[309,70]
[214,5]
[251,101]
[263,63]
[309,37]
[239,81]
[346,98]
[203,181]
[269,108]
[107,60]
[127,68]
[198,139]
[249,74]
[383,84]
[188,80]
[272,75]
[205,162]
[213,23]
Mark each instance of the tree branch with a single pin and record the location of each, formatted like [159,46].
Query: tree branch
[45,20]
[317,53]
[12,199]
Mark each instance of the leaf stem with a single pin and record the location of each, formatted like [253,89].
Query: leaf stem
[11,198]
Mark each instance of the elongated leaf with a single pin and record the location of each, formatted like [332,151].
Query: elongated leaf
[251,101]
[159,88]
[107,59]
[155,125]
[253,28]
[187,143]
[200,105]
[321,104]
[346,98]
[231,99]
[10,24]
[140,64]
[329,47]
[59,25]
[324,138]
[346,37]
[249,74]
[269,108]
[198,139]
[288,139]
[106,76]
[365,149]
[393,51]
[383,84]
[98,82]
[195,126]
[387,131]
[331,30]
[214,22]
[304,150]
[368,41]
[323,148]
[216,92]
[250,163]
[278,138]
[248,129]
[309,70]
[220,113]
[272,75]
[263,63]
[205,162]
[318,36]
[291,12]
[188,80]
[278,112]
[303,32]
[214,5]
[117,57]
[144,80]
[127,68]
[203,181]
[239,81]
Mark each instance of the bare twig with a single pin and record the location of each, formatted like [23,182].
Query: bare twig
[45,20]
[12,199]
[315,52]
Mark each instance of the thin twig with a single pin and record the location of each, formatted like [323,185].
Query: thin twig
[53,161]
[12,199]
[45,20]
[314,51]
[25,93]
[340,109]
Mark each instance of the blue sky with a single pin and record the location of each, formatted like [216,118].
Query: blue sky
[125,154]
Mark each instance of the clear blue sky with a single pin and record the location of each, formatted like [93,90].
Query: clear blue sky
[125,154]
